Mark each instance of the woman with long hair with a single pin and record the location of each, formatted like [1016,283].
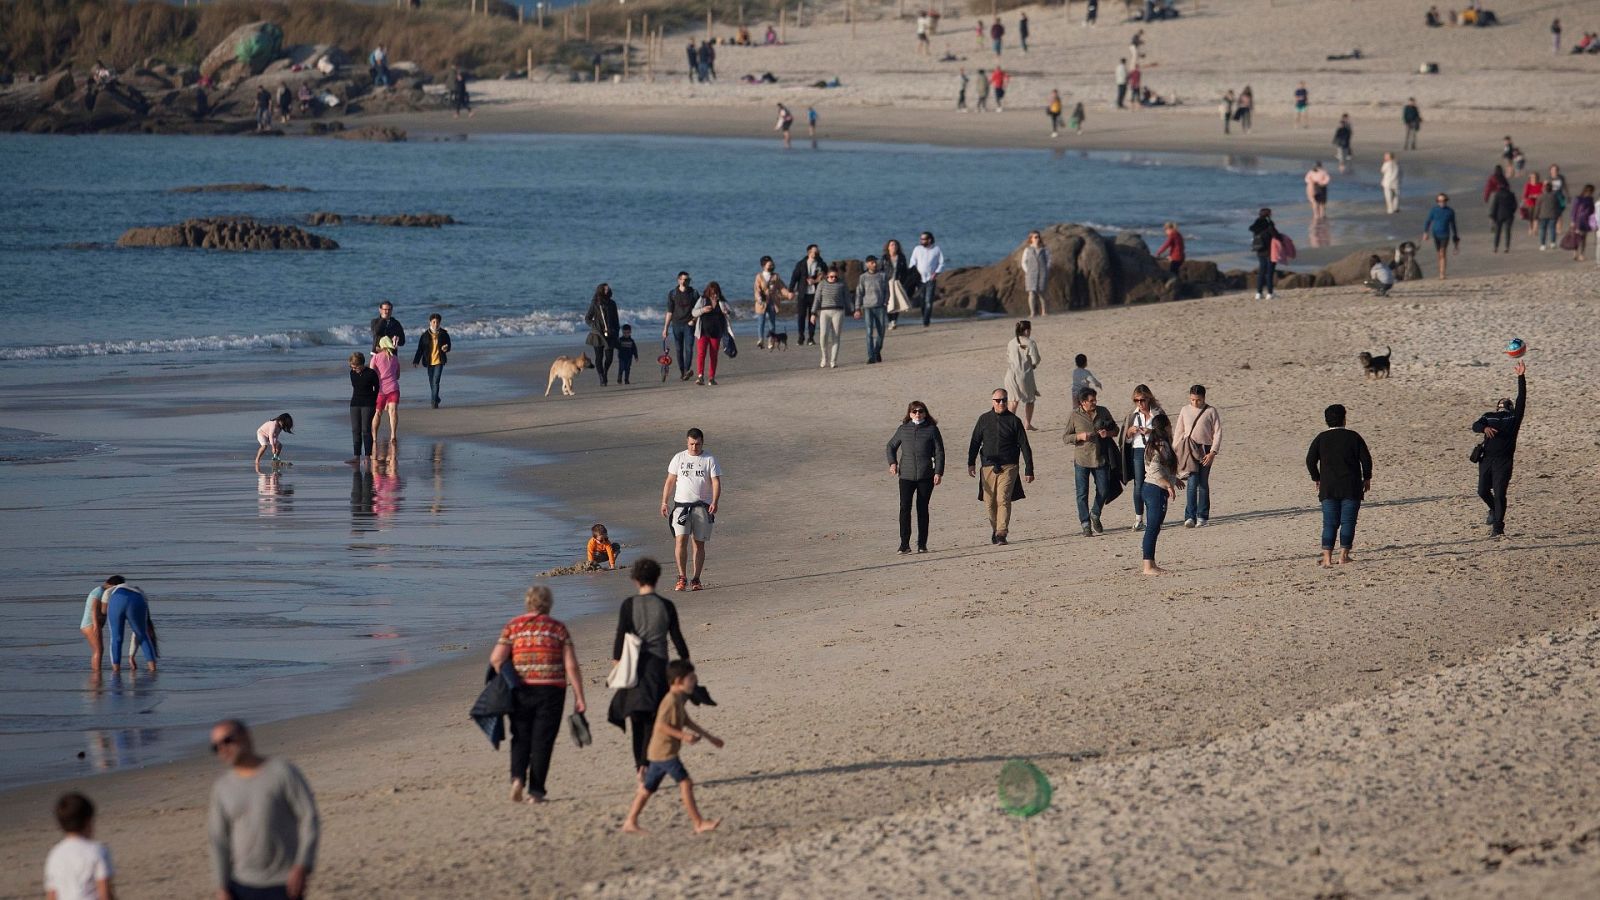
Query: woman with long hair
[769,293]
[711,314]
[916,458]
[1161,483]
[899,268]
[1135,444]
[1583,218]
[1022,358]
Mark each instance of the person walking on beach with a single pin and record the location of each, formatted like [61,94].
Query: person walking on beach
[1389,179]
[983,91]
[627,352]
[1244,109]
[829,305]
[711,315]
[689,500]
[458,93]
[681,302]
[1075,121]
[708,60]
[916,459]
[1440,226]
[1411,117]
[1341,469]
[540,649]
[981,34]
[263,821]
[1317,190]
[811,125]
[364,390]
[769,293]
[785,124]
[693,52]
[604,330]
[1091,432]
[997,33]
[263,109]
[1555,35]
[922,34]
[999,79]
[903,277]
[1546,210]
[1122,82]
[653,619]
[433,350]
[1082,377]
[1262,234]
[808,273]
[78,866]
[388,369]
[1500,430]
[1091,13]
[1199,437]
[1035,272]
[1133,441]
[1000,441]
[1172,248]
[1022,358]
[1022,31]
[1531,189]
[961,96]
[1557,184]
[1583,219]
[1159,483]
[1053,110]
[928,260]
[872,299]
[1503,213]
[673,728]
[1302,106]
[1341,142]
[1226,108]
[385,325]
[1497,180]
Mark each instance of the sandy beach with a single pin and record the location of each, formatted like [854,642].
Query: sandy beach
[1419,723]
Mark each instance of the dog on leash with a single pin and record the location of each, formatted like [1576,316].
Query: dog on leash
[1376,366]
[567,368]
[778,340]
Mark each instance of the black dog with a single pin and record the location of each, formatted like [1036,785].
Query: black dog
[1376,366]
[778,339]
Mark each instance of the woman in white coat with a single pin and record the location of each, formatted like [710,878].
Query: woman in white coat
[1035,272]
[1022,358]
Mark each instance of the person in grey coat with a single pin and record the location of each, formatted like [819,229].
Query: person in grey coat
[872,300]
[1035,272]
[916,457]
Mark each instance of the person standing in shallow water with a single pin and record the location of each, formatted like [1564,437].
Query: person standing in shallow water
[364,385]
[1341,468]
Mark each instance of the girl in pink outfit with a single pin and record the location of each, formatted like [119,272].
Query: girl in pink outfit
[388,369]
[267,436]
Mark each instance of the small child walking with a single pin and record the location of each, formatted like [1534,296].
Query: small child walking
[267,436]
[1082,377]
[600,547]
[1075,121]
[673,729]
[79,867]
[627,352]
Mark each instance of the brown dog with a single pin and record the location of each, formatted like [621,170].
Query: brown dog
[566,368]
[1376,366]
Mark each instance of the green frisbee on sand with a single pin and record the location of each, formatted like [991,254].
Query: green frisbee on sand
[1024,790]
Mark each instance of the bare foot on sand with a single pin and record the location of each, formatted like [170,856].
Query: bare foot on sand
[633,828]
[1152,569]
[516,792]
[1345,557]
[707,825]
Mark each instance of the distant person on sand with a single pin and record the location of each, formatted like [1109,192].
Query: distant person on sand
[811,124]
[1411,117]
[1440,226]
[673,729]
[1022,359]
[997,33]
[1546,210]
[916,458]
[711,315]
[1122,82]
[708,60]
[378,62]
[1134,441]
[983,90]
[1244,109]
[603,330]
[1262,233]
[1200,424]
[128,607]
[1000,441]
[903,274]
[653,619]
[1341,469]
[769,293]
[694,61]
[263,821]
[681,301]
[386,325]
[1531,189]
[785,123]
[872,299]
[981,32]
[1091,13]
[1022,31]
[999,79]
[1035,272]
[433,351]
[803,280]
[1172,248]
[1555,35]
[961,95]
[1317,190]
[285,103]
[1053,110]
[263,109]
[94,618]
[829,305]
[627,352]
[546,662]
[1159,483]
[1389,179]
[1583,219]
[1500,430]
[388,369]
[364,389]
[1503,214]
[1082,377]
[1380,277]
[1075,122]
[1497,180]
[928,260]
[922,34]
[458,93]
[1302,106]
[1091,433]
[689,500]
[1341,142]
[1226,108]
[78,867]
[267,437]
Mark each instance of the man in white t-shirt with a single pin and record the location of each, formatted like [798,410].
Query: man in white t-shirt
[689,502]
[79,867]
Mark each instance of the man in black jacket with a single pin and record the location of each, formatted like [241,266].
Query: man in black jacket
[1001,440]
[680,319]
[1262,231]
[1341,468]
[1499,430]
[1503,213]
[386,325]
[433,350]
[803,281]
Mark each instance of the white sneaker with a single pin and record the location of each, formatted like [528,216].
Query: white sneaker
[823,364]
[833,365]
[1188,523]
[893,325]
[1271,296]
[1138,524]
[1258,295]
[1199,523]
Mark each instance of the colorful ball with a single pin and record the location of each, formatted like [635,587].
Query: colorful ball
[1516,347]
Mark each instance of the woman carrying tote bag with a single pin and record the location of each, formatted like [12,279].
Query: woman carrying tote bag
[652,620]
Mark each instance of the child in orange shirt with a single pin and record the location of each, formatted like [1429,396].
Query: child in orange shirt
[600,545]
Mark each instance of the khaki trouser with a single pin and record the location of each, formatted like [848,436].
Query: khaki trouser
[997,486]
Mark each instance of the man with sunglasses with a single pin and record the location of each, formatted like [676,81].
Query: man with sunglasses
[1500,429]
[929,262]
[263,822]
[1001,440]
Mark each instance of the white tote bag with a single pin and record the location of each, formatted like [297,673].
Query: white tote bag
[625,674]
[898,301]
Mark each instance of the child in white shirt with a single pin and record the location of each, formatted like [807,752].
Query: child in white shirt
[1082,377]
[1381,278]
[78,868]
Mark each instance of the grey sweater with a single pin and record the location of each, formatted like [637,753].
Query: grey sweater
[831,295]
[262,826]
[872,291]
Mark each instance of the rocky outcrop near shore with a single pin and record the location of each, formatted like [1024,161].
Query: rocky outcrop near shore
[403,220]
[226,234]
[246,51]
[245,187]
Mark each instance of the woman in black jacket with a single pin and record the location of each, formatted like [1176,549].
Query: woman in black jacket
[919,465]
[654,620]
[803,281]
[603,331]
[363,407]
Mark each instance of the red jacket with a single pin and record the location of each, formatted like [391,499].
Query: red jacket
[1174,243]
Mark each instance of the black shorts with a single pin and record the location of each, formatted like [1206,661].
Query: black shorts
[1440,243]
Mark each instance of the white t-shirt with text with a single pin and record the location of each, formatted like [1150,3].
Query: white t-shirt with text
[694,476]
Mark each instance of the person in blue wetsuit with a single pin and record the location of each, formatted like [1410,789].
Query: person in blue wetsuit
[1441,228]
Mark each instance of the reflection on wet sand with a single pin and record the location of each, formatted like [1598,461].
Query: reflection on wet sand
[437,506]
[1321,234]
[361,499]
[385,487]
[272,495]
[116,748]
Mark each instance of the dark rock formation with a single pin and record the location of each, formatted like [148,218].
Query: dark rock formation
[57,87]
[403,220]
[379,133]
[248,187]
[226,234]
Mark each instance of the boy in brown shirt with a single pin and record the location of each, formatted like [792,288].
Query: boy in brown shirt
[673,729]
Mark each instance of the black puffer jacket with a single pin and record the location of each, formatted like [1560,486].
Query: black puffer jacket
[921,451]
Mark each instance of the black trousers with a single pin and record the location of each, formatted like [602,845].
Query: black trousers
[922,491]
[602,361]
[534,727]
[642,724]
[1494,476]
[361,430]
[802,316]
[1503,229]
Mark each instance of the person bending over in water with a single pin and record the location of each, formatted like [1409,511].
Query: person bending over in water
[267,436]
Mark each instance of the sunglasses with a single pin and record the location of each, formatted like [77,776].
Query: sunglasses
[1141,399]
[997,400]
[217,746]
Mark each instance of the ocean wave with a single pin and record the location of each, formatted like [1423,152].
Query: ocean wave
[531,325]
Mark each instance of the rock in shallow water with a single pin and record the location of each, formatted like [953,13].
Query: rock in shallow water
[226,234]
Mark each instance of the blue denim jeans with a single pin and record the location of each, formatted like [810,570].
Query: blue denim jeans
[1547,232]
[1138,481]
[683,340]
[1339,516]
[1153,497]
[877,324]
[1266,273]
[926,294]
[1197,500]
[769,323]
[1102,483]
[435,375]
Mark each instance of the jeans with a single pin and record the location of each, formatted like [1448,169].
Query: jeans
[926,294]
[361,430]
[1102,483]
[1197,501]
[1138,481]
[1266,273]
[922,491]
[705,352]
[1411,137]
[1547,232]
[1153,497]
[831,323]
[1339,516]
[683,344]
[535,723]
[1503,228]
[1122,93]
[1494,477]
[769,323]
[436,375]
[128,609]
[877,325]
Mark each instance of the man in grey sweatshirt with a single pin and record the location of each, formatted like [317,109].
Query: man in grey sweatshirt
[829,306]
[872,300]
[263,822]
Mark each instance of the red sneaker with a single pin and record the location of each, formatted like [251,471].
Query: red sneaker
[682,584]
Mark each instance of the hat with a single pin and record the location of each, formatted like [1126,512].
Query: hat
[386,343]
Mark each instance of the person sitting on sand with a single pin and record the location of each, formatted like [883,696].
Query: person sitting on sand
[673,729]
[600,545]
[1381,278]
[772,35]
[267,436]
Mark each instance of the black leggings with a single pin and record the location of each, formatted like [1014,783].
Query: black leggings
[534,727]
[922,490]
[361,430]
[1494,477]
[602,361]
[1503,228]
[642,725]
[802,318]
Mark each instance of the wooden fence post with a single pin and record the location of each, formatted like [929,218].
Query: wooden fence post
[627,48]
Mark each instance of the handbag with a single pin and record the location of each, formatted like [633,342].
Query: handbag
[898,301]
[728,346]
[1571,239]
[578,727]
[625,674]
[1477,453]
